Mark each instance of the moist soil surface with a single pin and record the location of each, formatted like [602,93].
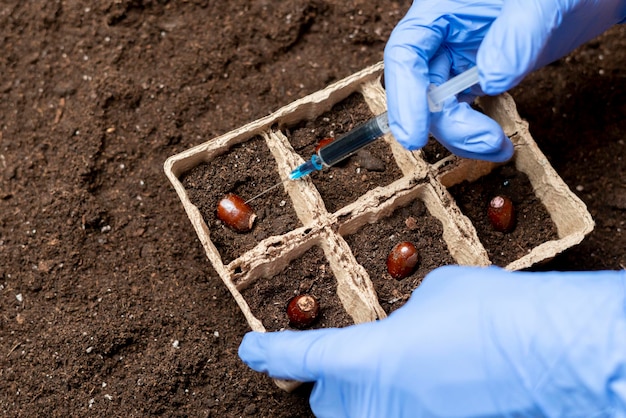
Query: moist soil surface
[109,304]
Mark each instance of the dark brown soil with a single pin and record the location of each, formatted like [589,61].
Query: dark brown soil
[533,224]
[433,151]
[109,304]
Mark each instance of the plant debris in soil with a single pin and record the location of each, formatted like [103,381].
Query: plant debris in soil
[534,226]
[433,151]
[310,273]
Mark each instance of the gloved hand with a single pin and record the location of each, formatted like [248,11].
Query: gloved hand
[438,39]
[471,342]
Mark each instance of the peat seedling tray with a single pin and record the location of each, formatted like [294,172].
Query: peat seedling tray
[329,233]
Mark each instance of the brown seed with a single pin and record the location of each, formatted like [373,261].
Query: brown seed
[302,311]
[235,213]
[501,214]
[323,143]
[402,260]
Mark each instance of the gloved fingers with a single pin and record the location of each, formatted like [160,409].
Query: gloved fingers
[407,77]
[441,70]
[513,45]
[303,355]
[529,34]
[439,67]
[328,398]
[470,134]
[447,283]
[283,355]
[471,341]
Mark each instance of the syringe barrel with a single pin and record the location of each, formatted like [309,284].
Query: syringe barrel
[354,140]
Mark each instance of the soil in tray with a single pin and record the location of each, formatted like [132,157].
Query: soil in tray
[310,273]
[433,151]
[372,244]
[534,225]
[245,169]
[369,168]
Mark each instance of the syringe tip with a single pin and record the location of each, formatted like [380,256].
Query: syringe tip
[307,168]
[301,171]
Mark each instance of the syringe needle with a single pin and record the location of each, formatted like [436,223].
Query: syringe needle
[267,190]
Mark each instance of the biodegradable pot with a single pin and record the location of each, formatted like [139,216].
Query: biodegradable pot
[330,231]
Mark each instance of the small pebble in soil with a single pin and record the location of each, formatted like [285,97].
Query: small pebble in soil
[368,161]
[402,260]
[501,214]
[250,409]
[235,213]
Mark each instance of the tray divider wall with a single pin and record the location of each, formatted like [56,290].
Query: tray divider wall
[354,287]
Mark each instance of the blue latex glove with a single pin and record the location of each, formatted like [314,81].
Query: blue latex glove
[438,39]
[471,342]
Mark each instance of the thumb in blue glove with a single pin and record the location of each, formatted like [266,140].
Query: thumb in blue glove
[471,342]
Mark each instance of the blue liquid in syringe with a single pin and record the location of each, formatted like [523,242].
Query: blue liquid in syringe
[344,146]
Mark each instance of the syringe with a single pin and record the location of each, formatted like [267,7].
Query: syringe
[346,145]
